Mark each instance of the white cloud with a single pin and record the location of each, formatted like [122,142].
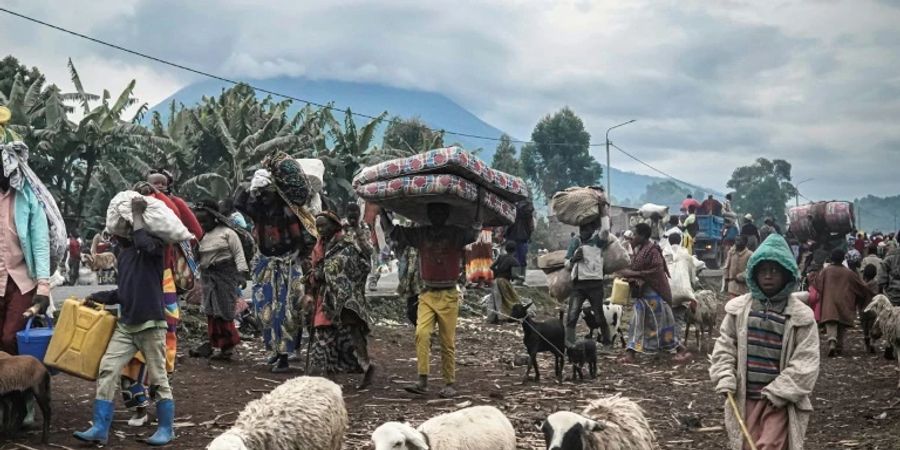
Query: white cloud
[712,84]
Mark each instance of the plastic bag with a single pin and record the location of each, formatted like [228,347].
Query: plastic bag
[682,289]
[616,257]
[560,284]
[160,221]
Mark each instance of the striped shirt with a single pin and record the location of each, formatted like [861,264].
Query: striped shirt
[765,331]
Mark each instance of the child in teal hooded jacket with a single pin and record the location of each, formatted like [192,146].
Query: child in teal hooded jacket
[767,353]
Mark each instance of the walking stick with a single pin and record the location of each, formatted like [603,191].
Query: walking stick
[309,340]
[737,414]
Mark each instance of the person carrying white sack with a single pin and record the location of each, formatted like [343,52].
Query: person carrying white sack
[683,281]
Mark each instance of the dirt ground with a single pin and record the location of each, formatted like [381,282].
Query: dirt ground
[855,399]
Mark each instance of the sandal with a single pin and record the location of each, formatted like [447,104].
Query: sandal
[448,392]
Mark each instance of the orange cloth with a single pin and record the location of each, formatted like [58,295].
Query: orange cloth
[768,425]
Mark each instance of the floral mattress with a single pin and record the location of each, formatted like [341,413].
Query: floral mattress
[450,160]
[409,195]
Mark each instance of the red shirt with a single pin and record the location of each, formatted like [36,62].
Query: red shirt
[441,251]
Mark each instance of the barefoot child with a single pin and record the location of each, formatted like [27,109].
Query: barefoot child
[767,354]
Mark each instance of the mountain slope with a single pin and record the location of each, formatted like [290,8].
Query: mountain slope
[436,110]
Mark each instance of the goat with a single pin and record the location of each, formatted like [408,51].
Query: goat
[541,337]
[584,352]
[702,315]
[613,316]
[25,375]
[887,323]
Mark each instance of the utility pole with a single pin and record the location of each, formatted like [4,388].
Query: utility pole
[608,167]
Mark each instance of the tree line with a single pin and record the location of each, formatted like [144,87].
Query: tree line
[86,149]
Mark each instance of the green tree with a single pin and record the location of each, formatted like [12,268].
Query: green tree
[559,156]
[505,159]
[10,69]
[667,193]
[411,135]
[763,188]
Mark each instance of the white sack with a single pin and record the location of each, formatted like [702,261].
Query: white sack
[159,220]
[315,173]
[650,209]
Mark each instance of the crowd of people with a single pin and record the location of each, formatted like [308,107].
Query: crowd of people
[309,269]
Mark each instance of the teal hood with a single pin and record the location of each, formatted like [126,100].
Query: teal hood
[774,248]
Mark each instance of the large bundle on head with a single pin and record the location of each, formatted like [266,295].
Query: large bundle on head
[451,175]
[808,221]
[579,205]
[315,173]
[609,423]
[303,412]
[160,221]
[653,211]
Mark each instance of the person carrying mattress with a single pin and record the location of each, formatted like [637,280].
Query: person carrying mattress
[441,250]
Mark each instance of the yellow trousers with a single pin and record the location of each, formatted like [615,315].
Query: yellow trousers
[441,306]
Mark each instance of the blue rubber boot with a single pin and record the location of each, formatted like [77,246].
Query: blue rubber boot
[99,432]
[165,415]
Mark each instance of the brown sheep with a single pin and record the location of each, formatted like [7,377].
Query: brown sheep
[25,374]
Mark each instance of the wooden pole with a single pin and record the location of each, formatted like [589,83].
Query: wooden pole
[740,420]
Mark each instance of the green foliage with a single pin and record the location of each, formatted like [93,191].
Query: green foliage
[763,189]
[878,213]
[505,159]
[10,69]
[411,135]
[559,157]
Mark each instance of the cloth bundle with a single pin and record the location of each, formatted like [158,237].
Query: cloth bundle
[560,284]
[15,167]
[160,221]
[477,193]
[579,205]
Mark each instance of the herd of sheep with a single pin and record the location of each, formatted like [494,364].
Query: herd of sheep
[308,413]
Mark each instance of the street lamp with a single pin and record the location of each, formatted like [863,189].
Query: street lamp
[797,197]
[608,167]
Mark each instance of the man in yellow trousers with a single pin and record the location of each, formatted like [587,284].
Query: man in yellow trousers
[441,250]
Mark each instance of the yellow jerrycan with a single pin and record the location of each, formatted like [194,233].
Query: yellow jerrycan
[80,339]
[620,292]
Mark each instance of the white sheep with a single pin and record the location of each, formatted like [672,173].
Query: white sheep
[887,323]
[609,423]
[475,428]
[703,317]
[303,413]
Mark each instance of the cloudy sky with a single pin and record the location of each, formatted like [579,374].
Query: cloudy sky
[713,84]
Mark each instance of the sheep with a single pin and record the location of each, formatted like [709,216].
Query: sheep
[541,337]
[613,316]
[302,413]
[25,375]
[609,423]
[584,352]
[887,323]
[474,428]
[702,316]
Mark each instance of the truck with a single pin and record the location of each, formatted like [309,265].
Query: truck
[708,242]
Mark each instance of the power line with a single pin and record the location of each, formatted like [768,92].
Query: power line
[650,166]
[267,91]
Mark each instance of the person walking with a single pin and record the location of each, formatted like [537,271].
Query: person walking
[749,230]
[341,313]
[736,267]
[841,293]
[503,295]
[767,354]
[285,233]
[141,327]
[441,250]
[224,272]
[584,258]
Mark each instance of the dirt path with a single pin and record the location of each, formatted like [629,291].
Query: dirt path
[856,401]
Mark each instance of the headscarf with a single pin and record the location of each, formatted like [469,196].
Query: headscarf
[292,191]
[15,167]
